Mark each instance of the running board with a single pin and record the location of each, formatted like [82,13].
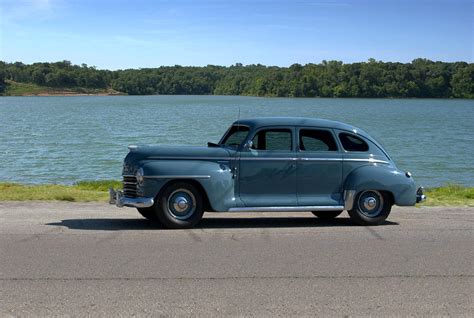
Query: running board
[288,208]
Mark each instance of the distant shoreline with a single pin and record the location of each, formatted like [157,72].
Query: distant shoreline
[17,89]
[65,94]
[62,94]
[422,78]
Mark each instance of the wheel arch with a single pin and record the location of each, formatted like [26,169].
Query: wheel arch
[196,184]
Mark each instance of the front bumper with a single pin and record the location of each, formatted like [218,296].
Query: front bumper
[420,196]
[117,198]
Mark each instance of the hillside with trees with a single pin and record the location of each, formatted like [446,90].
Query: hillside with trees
[421,78]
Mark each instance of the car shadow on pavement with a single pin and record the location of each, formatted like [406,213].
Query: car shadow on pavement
[106,224]
[275,222]
[208,223]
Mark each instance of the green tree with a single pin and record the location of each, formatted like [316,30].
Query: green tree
[420,78]
[463,82]
[3,84]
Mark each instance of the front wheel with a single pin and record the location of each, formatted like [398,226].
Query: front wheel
[371,207]
[148,213]
[326,215]
[180,206]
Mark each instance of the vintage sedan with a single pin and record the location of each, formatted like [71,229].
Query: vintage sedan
[268,164]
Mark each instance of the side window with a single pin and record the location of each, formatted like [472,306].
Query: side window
[316,140]
[353,143]
[272,139]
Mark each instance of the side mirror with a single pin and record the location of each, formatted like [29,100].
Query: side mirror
[249,145]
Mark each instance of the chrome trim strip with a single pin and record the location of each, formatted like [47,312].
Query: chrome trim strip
[368,160]
[268,159]
[320,159]
[316,159]
[349,196]
[128,175]
[191,158]
[178,177]
[288,208]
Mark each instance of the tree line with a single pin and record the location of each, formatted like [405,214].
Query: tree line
[420,78]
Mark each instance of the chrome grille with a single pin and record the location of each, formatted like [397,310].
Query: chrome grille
[130,186]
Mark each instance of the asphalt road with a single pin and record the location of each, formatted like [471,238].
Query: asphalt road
[79,259]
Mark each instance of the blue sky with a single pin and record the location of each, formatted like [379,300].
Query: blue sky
[134,34]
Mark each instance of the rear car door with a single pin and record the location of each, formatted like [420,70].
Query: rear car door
[319,168]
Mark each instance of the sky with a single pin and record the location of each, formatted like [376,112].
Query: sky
[144,33]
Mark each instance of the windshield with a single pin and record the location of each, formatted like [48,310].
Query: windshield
[235,136]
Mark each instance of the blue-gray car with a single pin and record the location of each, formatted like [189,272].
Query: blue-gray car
[275,164]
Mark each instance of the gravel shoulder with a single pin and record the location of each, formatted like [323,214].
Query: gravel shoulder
[60,258]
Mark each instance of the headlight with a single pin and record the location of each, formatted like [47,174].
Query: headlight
[139,176]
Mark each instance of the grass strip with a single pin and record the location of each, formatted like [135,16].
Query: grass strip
[450,195]
[97,191]
[28,89]
[84,191]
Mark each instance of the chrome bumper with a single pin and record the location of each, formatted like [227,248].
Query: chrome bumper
[420,197]
[116,197]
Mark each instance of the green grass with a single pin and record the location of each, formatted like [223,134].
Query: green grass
[97,191]
[25,89]
[84,191]
[18,89]
[450,194]
[100,186]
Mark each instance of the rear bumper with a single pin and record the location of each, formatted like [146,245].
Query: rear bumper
[117,198]
[420,196]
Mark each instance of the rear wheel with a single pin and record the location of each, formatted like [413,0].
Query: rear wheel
[179,206]
[326,215]
[371,207]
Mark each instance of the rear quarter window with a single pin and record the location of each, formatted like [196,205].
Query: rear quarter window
[353,143]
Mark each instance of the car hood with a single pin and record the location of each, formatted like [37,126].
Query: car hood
[149,152]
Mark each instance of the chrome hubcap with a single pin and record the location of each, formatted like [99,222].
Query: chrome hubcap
[370,203]
[181,204]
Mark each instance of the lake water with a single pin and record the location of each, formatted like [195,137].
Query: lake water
[68,139]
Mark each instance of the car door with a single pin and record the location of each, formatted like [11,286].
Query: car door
[319,168]
[267,169]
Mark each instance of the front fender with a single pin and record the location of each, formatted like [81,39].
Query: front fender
[215,178]
[383,178]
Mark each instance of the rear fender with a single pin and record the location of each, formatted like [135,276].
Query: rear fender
[382,178]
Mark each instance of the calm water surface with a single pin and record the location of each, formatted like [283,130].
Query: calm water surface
[68,139]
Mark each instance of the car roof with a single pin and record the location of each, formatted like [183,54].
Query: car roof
[305,122]
[295,121]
